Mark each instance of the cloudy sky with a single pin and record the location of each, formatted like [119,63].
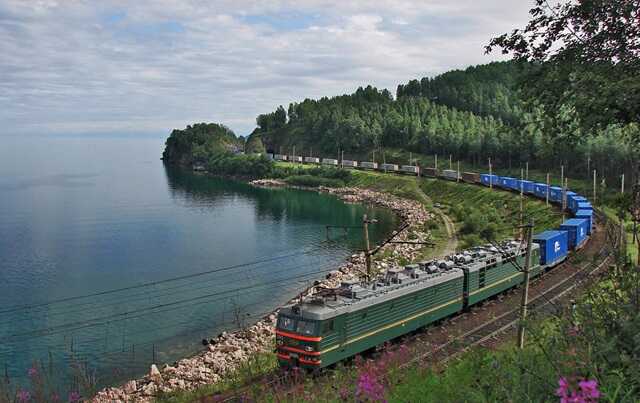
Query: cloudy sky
[76,66]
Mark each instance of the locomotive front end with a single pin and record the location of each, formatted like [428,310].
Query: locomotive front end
[297,340]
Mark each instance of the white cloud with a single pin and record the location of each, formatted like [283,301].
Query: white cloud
[154,65]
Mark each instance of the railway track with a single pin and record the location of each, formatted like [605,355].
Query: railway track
[543,303]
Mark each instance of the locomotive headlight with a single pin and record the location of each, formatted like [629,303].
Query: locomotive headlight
[308,348]
[279,340]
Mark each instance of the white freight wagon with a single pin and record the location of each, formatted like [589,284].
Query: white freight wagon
[412,169]
[368,165]
[389,167]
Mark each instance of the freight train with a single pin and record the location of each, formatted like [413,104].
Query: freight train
[336,324]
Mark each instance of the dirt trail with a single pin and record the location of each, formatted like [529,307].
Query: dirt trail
[452,243]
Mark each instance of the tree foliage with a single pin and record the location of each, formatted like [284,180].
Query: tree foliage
[587,54]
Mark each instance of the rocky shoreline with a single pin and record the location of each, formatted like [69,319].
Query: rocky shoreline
[229,351]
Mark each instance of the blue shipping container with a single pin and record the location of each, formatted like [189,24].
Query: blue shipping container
[586,215]
[486,178]
[505,181]
[514,184]
[574,200]
[540,190]
[577,228]
[584,206]
[553,246]
[527,186]
[555,194]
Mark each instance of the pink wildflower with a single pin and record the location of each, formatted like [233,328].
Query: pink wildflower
[23,396]
[587,393]
[589,389]
[33,372]
[74,397]
[369,388]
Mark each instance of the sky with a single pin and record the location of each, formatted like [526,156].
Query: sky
[115,66]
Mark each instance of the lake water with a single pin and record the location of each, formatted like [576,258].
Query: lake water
[110,260]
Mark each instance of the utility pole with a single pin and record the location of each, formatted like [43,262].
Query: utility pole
[622,185]
[525,288]
[342,159]
[548,188]
[561,175]
[521,206]
[450,162]
[490,175]
[458,175]
[436,162]
[367,251]
[527,165]
[594,186]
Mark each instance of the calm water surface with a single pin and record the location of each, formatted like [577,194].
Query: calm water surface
[189,255]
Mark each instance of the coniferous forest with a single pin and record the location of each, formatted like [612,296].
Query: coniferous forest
[486,111]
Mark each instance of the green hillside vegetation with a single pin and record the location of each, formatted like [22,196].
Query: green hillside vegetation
[486,90]
[198,143]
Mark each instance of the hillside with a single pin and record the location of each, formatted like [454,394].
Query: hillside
[197,143]
[486,90]
[371,120]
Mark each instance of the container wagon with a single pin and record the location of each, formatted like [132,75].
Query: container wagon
[574,200]
[527,186]
[508,183]
[280,157]
[489,180]
[584,206]
[449,174]
[312,160]
[432,172]
[586,215]
[349,164]
[368,165]
[330,161]
[577,230]
[540,190]
[295,158]
[410,169]
[389,167]
[471,177]
[553,247]
[555,194]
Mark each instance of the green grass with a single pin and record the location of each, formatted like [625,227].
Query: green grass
[498,206]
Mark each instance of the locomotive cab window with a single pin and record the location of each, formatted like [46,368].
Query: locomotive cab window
[305,327]
[286,323]
[327,327]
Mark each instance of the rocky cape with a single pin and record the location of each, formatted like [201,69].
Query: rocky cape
[229,351]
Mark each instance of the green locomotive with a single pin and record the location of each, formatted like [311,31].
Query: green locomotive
[335,324]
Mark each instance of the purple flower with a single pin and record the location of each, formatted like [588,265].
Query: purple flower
[587,393]
[74,397]
[589,389]
[369,388]
[33,372]
[23,396]
[563,389]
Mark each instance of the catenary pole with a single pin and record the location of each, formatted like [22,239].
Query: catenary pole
[525,288]
[367,251]
[547,188]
